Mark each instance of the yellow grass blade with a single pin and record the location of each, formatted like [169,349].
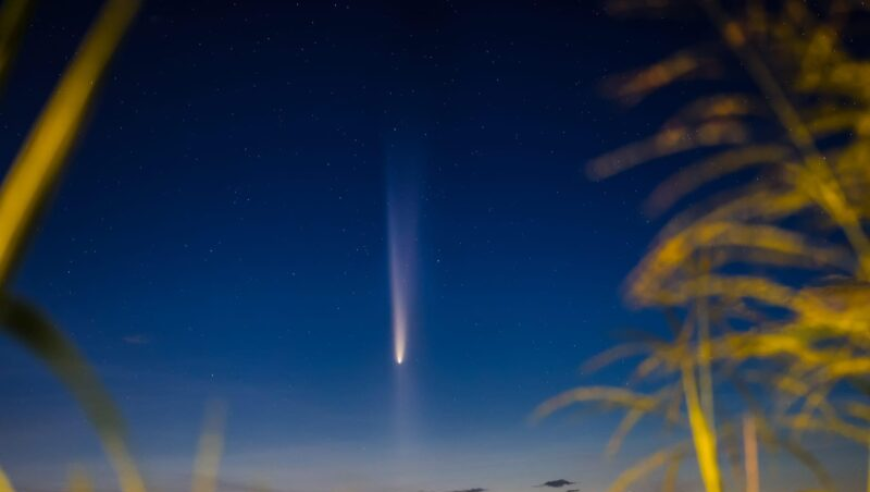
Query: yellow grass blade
[668,142]
[5,484]
[749,203]
[730,287]
[718,106]
[38,164]
[821,182]
[24,192]
[210,449]
[693,177]
[672,472]
[646,466]
[632,88]
[30,328]
[604,394]
[615,354]
[703,435]
[79,481]
[704,358]
[670,256]
[631,418]
[770,438]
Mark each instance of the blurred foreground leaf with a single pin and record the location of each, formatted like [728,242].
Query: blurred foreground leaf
[205,469]
[41,159]
[35,332]
[28,326]
[13,16]
[25,192]
[5,484]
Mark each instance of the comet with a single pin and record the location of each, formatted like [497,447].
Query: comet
[400,301]
[402,213]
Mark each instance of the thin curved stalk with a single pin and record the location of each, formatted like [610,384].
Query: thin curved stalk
[30,328]
[703,435]
[205,470]
[750,454]
[705,351]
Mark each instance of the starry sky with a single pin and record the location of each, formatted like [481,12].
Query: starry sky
[221,235]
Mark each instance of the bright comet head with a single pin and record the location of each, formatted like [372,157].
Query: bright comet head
[400,326]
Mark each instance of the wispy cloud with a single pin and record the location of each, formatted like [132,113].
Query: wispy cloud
[556,484]
[136,339]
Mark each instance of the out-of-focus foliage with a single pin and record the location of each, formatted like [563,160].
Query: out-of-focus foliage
[25,191]
[767,256]
[23,194]
[205,470]
[13,16]
[211,443]
[5,485]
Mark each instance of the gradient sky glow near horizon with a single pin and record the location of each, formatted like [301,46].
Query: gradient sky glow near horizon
[223,233]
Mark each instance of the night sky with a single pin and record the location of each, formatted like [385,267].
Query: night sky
[221,235]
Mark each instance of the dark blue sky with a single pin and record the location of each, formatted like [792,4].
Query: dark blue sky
[221,234]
